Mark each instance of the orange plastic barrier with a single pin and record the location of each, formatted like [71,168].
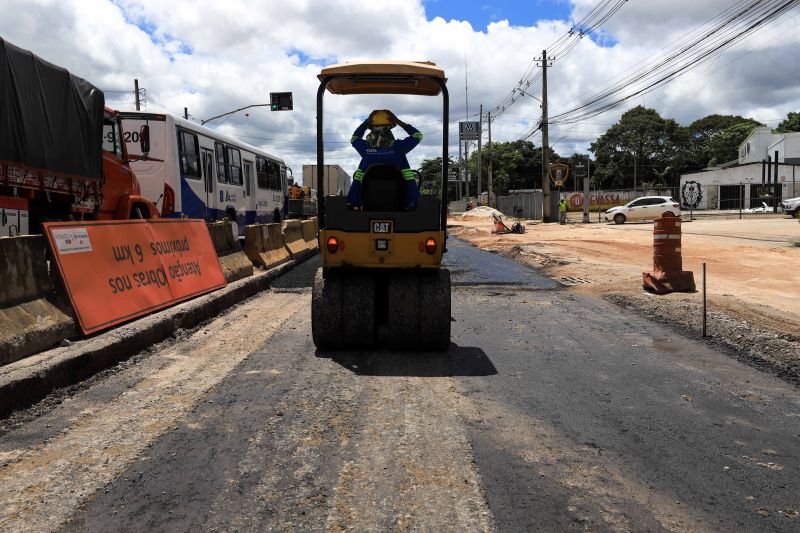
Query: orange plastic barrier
[118,270]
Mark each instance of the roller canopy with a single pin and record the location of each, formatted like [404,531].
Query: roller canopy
[50,120]
[384,77]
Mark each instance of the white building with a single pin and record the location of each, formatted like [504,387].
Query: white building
[740,185]
[763,143]
[727,188]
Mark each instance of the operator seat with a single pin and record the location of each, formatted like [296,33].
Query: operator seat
[384,188]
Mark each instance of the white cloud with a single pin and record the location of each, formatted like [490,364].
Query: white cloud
[213,57]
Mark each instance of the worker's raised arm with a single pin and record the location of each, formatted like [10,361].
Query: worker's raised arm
[413,139]
[357,141]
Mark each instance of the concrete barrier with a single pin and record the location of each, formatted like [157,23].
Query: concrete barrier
[293,239]
[29,319]
[309,230]
[263,244]
[235,264]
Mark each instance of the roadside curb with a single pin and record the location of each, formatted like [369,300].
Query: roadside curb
[29,380]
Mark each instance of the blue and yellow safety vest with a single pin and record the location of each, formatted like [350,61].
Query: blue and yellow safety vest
[394,155]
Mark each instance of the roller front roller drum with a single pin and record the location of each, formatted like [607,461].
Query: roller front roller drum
[346,310]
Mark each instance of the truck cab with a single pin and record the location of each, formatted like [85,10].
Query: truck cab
[122,196]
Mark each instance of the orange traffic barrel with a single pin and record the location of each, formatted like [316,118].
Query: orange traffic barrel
[668,274]
[667,244]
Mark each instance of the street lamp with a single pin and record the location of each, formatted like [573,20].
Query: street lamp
[203,122]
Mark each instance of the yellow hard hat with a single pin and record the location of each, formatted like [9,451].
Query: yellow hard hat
[381,117]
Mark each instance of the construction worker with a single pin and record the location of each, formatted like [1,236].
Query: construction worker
[562,211]
[380,146]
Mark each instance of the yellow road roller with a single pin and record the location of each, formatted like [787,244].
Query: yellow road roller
[381,284]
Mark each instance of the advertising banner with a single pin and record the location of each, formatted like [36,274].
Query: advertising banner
[121,269]
[600,200]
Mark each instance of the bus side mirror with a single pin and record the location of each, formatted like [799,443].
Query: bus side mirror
[144,139]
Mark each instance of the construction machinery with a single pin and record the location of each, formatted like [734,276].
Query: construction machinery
[382,283]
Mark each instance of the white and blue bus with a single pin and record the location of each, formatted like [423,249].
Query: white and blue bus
[197,172]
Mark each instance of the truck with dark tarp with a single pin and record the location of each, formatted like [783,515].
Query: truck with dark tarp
[62,152]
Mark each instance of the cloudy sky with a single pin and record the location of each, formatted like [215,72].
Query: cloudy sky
[213,57]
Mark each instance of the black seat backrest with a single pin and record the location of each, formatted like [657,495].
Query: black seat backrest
[384,188]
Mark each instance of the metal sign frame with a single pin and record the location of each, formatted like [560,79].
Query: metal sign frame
[559,173]
[469,131]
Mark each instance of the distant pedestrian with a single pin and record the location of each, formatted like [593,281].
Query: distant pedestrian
[562,211]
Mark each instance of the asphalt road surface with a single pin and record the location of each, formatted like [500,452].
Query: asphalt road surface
[550,412]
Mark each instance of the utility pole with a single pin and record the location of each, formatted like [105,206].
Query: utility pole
[586,198]
[480,138]
[466,118]
[460,172]
[466,168]
[490,193]
[186,113]
[775,187]
[136,94]
[549,201]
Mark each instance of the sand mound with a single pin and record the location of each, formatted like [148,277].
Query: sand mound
[481,212]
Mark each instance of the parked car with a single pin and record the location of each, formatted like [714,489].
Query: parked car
[791,206]
[644,208]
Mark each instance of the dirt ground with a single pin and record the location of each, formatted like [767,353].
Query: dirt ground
[753,273]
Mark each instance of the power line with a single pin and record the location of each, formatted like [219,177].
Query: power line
[587,25]
[706,41]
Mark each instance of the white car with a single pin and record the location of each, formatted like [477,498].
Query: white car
[644,208]
[791,206]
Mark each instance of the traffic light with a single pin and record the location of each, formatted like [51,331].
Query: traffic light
[280,101]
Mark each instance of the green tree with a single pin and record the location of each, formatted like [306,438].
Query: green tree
[515,165]
[790,123]
[431,172]
[724,147]
[642,142]
[712,137]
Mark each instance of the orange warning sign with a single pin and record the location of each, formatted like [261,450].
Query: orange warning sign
[117,270]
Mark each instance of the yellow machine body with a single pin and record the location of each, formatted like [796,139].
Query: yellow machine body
[363,250]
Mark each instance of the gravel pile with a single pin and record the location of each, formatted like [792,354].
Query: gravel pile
[758,347]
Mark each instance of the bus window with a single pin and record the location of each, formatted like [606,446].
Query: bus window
[189,151]
[273,175]
[234,166]
[222,168]
[248,178]
[261,173]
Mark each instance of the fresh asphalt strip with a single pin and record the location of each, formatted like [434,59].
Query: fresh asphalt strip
[29,380]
